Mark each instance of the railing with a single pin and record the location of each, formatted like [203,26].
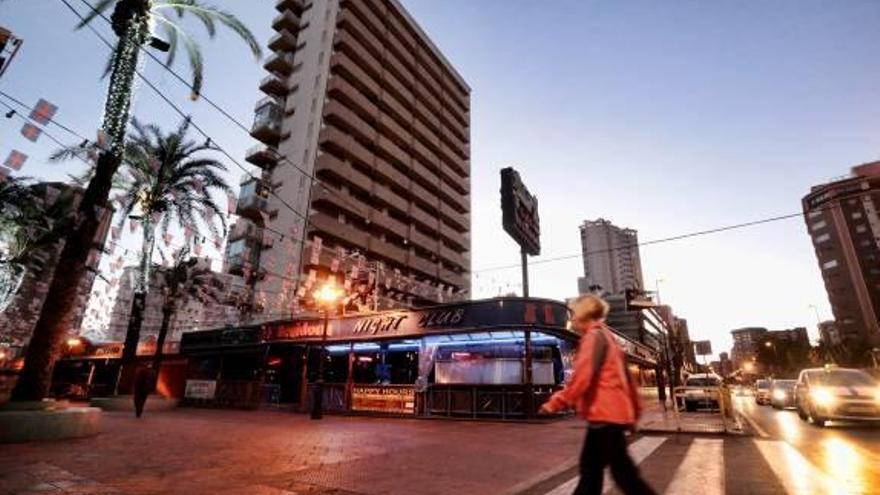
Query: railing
[476,401]
[703,400]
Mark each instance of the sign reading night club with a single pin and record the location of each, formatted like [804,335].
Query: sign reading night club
[476,316]
[519,211]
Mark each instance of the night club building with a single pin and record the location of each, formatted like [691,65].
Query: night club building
[461,360]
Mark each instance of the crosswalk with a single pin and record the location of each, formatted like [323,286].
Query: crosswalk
[678,465]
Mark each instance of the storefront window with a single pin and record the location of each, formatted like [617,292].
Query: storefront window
[495,358]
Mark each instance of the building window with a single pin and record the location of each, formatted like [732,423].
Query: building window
[829,264]
[818,225]
[861,229]
[822,238]
[814,214]
[856,215]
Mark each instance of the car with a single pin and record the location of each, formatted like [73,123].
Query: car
[699,391]
[762,392]
[831,393]
[782,393]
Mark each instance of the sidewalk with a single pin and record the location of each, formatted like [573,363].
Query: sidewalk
[659,419]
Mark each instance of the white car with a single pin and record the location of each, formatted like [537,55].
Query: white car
[701,391]
[830,393]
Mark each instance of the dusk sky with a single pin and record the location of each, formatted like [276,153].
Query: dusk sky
[666,117]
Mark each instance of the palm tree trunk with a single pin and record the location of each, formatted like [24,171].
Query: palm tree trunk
[167,312]
[43,349]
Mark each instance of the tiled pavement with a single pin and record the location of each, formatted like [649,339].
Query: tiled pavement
[243,452]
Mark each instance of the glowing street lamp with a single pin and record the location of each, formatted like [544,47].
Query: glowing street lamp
[326,296]
[749,366]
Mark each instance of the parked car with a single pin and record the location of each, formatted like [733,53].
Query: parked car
[831,393]
[762,392]
[782,393]
[701,391]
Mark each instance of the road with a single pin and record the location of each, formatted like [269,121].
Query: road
[848,453]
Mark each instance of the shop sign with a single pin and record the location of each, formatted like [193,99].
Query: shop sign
[635,349]
[390,400]
[200,389]
[107,351]
[474,316]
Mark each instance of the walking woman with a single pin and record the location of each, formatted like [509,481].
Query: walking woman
[603,393]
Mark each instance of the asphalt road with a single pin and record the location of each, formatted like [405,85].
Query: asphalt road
[849,453]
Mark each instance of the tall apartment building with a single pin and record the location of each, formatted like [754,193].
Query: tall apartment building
[18,320]
[843,220]
[745,344]
[191,314]
[611,258]
[359,98]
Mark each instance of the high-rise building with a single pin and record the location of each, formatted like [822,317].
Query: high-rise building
[366,132]
[843,220]
[745,344]
[18,320]
[611,258]
[190,313]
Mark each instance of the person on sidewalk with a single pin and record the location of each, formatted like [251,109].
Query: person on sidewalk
[144,382]
[602,392]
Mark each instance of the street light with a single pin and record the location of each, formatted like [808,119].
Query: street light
[326,297]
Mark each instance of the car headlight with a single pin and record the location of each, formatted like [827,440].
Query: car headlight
[823,397]
[877,394]
[779,394]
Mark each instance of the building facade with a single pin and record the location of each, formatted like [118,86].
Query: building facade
[611,258]
[843,220]
[190,314]
[365,161]
[745,344]
[18,320]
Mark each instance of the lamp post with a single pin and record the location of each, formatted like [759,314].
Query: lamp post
[326,296]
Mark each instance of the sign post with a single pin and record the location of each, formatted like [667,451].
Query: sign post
[520,219]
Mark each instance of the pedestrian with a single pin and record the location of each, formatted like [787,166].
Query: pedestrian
[144,382]
[602,392]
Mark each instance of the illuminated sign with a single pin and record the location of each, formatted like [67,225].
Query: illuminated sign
[384,399]
[520,212]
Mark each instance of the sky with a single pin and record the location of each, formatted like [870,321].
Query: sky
[665,117]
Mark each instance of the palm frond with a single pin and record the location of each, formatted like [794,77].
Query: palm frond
[96,10]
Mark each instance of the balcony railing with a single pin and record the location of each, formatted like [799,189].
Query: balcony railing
[281,62]
[286,20]
[267,121]
[274,85]
[284,40]
[262,156]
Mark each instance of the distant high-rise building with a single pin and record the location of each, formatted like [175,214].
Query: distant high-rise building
[611,258]
[843,220]
[18,320]
[745,344]
[828,333]
[359,98]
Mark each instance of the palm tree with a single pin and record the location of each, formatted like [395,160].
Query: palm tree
[32,221]
[132,21]
[169,184]
[166,182]
[185,279]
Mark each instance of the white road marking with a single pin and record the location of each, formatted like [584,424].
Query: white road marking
[638,450]
[702,469]
[795,472]
[755,426]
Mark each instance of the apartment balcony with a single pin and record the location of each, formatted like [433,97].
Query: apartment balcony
[280,62]
[267,121]
[262,156]
[286,20]
[331,226]
[425,266]
[274,85]
[388,251]
[242,229]
[284,40]
[253,200]
[294,5]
